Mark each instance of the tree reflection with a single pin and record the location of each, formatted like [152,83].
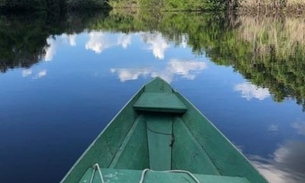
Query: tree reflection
[22,42]
[268,51]
[23,38]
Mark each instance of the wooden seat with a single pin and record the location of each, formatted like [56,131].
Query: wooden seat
[160,102]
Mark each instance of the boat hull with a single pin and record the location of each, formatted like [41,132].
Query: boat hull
[160,130]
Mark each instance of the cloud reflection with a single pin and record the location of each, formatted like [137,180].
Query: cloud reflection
[50,50]
[273,128]
[72,39]
[124,40]
[29,72]
[97,42]
[287,165]
[54,42]
[130,74]
[40,74]
[250,91]
[157,43]
[100,41]
[26,72]
[175,67]
[300,127]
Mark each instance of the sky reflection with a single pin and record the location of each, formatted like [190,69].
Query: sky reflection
[299,126]
[157,44]
[250,91]
[287,163]
[100,41]
[176,64]
[174,68]
[56,41]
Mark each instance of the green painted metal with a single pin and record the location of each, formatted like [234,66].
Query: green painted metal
[133,176]
[174,135]
[133,148]
[160,102]
[188,153]
[224,155]
[159,133]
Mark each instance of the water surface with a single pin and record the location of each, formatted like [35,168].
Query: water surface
[64,78]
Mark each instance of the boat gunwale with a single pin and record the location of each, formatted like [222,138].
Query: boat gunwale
[141,90]
[184,100]
[238,151]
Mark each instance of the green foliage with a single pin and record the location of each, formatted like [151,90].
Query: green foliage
[21,44]
[85,4]
[54,6]
[23,38]
[170,5]
[51,5]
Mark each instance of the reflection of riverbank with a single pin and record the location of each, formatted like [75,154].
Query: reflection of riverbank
[272,6]
[282,34]
[24,39]
[268,51]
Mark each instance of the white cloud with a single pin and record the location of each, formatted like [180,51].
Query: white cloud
[54,42]
[97,42]
[40,74]
[184,41]
[130,74]
[250,91]
[273,128]
[300,127]
[287,165]
[157,43]
[72,39]
[124,40]
[272,174]
[26,72]
[174,68]
[187,69]
[51,49]
[100,41]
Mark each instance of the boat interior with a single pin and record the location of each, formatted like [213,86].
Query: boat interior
[160,132]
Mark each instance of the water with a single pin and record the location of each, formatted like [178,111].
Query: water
[64,78]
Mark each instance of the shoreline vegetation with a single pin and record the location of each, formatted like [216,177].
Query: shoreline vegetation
[50,6]
[244,6]
[264,5]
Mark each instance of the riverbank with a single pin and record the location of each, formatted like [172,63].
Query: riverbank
[51,5]
[272,6]
[245,6]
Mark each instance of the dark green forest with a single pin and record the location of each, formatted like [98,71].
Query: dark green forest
[23,38]
[66,5]
[262,6]
[50,6]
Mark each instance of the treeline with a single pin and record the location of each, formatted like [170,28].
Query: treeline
[23,38]
[173,5]
[267,6]
[49,5]
[164,5]
[273,5]
[63,5]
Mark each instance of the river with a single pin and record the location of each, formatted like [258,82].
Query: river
[64,77]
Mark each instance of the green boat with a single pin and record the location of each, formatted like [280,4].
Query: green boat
[159,136]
